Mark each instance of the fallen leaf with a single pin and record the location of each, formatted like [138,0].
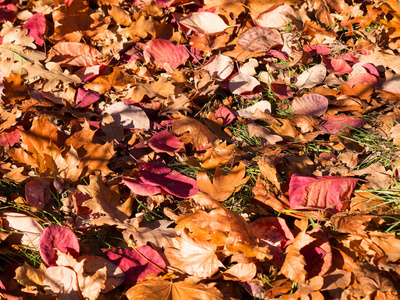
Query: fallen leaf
[57,237]
[140,188]
[63,282]
[313,105]
[220,66]
[225,113]
[194,132]
[74,54]
[311,77]
[277,16]
[195,257]
[136,263]
[26,229]
[333,124]
[294,264]
[157,289]
[37,193]
[266,136]
[259,40]
[222,186]
[169,180]
[36,26]
[247,113]
[165,141]
[163,52]
[129,116]
[326,192]
[242,83]
[86,98]
[29,276]
[204,22]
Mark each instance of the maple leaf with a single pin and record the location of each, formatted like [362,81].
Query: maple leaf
[157,289]
[222,186]
[195,257]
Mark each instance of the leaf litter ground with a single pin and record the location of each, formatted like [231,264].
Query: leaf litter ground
[199,150]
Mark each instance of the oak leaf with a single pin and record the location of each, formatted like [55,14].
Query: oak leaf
[194,132]
[29,276]
[220,155]
[222,186]
[105,201]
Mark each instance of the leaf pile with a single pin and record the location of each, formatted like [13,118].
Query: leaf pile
[199,150]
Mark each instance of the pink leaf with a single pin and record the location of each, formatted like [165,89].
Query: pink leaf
[140,188]
[274,234]
[326,192]
[75,54]
[225,113]
[137,263]
[37,193]
[363,78]
[166,3]
[85,98]
[278,54]
[171,181]
[220,66]
[57,237]
[242,83]
[37,28]
[313,105]
[165,141]
[88,73]
[164,52]
[333,124]
[204,22]
[8,12]
[10,137]
[317,49]
[259,40]
[276,16]
[336,66]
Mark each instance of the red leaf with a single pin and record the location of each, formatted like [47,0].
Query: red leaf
[8,12]
[171,181]
[137,263]
[85,98]
[165,141]
[363,78]
[333,124]
[37,28]
[274,234]
[313,105]
[140,188]
[164,52]
[57,237]
[336,66]
[326,192]
[317,49]
[10,137]
[37,193]
[224,113]
[282,90]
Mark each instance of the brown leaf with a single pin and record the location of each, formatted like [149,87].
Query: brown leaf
[220,155]
[293,266]
[374,282]
[62,281]
[105,201]
[222,186]
[194,132]
[29,276]
[157,289]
